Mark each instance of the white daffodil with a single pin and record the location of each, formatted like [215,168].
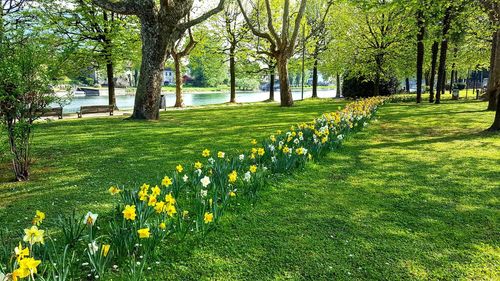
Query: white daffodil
[203,193]
[185,178]
[211,160]
[198,171]
[247,176]
[242,157]
[93,247]
[90,218]
[205,181]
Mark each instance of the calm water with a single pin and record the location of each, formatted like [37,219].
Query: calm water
[190,99]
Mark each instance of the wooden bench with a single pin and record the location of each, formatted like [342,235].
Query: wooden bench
[53,111]
[95,109]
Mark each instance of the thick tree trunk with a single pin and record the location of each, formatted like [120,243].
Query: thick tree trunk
[315,79]
[285,90]
[491,85]
[338,94]
[111,84]
[154,53]
[420,53]
[496,84]
[435,50]
[232,73]
[178,81]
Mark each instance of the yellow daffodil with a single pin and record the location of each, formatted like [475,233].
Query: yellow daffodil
[261,151]
[208,217]
[252,156]
[105,249]
[185,214]
[253,169]
[179,168]
[166,181]
[39,217]
[114,190]
[254,142]
[205,153]
[33,235]
[145,187]
[254,150]
[169,198]
[299,151]
[27,267]
[144,233]
[159,206]
[152,201]
[171,210]
[21,252]
[155,191]
[232,194]
[272,138]
[286,150]
[198,165]
[129,212]
[143,195]
[233,176]
[221,154]
[162,226]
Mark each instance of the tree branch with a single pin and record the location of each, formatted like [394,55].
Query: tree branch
[125,7]
[203,17]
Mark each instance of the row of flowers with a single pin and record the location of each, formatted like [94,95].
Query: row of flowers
[191,199]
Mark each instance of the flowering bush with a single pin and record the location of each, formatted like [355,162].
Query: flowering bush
[192,198]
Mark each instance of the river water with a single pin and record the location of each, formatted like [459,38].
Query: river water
[125,102]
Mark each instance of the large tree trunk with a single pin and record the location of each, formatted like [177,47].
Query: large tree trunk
[178,82]
[154,53]
[496,84]
[337,95]
[491,85]
[315,79]
[232,73]
[285,90]
[407,84]
[435,50]
[376,87]
[420,53]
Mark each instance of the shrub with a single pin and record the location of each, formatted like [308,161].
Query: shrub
[360,87]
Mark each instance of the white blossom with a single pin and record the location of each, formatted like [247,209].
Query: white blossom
[247,176]
[185,178]
[205,181]
[90,218]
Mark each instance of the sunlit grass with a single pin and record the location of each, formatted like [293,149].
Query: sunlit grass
[413,196]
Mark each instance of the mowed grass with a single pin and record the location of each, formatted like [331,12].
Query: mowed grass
[415,196]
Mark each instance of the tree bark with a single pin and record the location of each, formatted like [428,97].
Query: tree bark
[376,87]
[420,53]
[442,55]
[285,90]
[435,50]
[272,78]
[154,54]
[232,73]
[178,81]
[496,84]
[491,85]
[315,79]
[407,86]
[338,94]
[111,84]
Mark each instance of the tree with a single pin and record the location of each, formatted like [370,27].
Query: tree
[161,26]
[443,52]
[25,85]
[420,50]
[283,44]
[319,35]
[493,6]
[181,49]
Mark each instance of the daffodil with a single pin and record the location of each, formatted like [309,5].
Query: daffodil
[144,233]
[205,181]
[169,198]
[179,168]
[198,165]
[233,176]
[254,142]
[185,214]
[27,267]
[143,195]
[185,178]
[160,205]
[21,252]
[232,194]
[205,153]
[33,235]
[166,181]
[152,201]
[253,168]
[171,210]
[261,151]
[155,191]
[208,217]
[129,212]
[105,249]
[162,226]
[114,190]
[90,219]
[39,217]
[221,154]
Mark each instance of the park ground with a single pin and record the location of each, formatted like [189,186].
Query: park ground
[414,196]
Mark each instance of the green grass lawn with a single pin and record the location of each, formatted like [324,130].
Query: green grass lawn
[413,196]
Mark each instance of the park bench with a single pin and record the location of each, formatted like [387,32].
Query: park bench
[95,109]
[53,111]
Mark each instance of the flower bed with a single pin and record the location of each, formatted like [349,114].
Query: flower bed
[192,199]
